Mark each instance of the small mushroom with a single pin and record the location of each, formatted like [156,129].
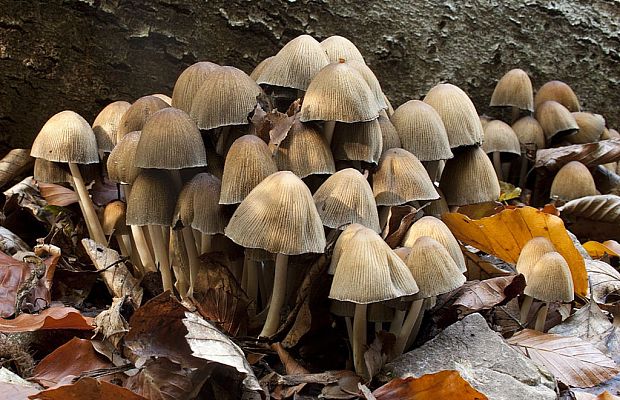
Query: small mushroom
[557,91]
[113,223]
[572,181]
[136,115]
[514,90]
[531,252]
[189,82]
[337,47]
[556,120]
[389,135]
[529,131]
[499,138]
[106,125]
[591,127]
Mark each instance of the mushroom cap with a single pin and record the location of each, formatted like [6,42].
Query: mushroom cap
[226,98]
[170,140]
[514,89]
[499,136]
[357,141]
[389,136]
[339,93]
[555,119]
[279,216]
[436,229]
[136,115]
[295,64]
[531,252]
[164,97]
[433,268]
[248,162]
[337,47]
[437,208]
[484,120]
[304,151]
[345,235]
[346,198]
[371,80]
[152,199]
[53,172]
[458,114]
[369,271]
[401,178]
[188,83]
[66,137]
[113,220]
[259,68]
[528,130]
[613,134]
[557,91]
[198,205]
[573,181]
[469,178]
[591,127]
[120,164]
[550,279]
[106,124]
[422,131]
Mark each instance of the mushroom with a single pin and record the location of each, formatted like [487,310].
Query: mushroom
[260,67]
[389,135]
[529,131]
[136,115]
[500,138]
[106,125]
[531,252]
[591,127]
[167,99]
[358,141]
[556,120]
[189,82]
[371,80]
[337,47]
[113,223]
[514,90]
[573,181]
[557,91]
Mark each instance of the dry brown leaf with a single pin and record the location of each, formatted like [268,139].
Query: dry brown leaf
[57,195]
[598,250]
[280,124]
[15,163]
[479,269]
[602,396]
[489,293]
[400,220]
[16,392]
[104,191]
[291,366]
[377,354]
[345,388]
[589,154]
[111,324]
[10,243]
[604,280]
[301,326]
[161,379]
[571,360]
[504,235]
[440,385]
[12,274]
[87,389]
[55,317]
[604,207]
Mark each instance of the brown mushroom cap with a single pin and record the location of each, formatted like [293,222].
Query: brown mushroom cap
[164,97]
[120,164]
[591,127]
[531,252]
[260,67]
[550,279]
[555,119]
[113,220]
[613,134]
[573,181]
[279,216]
[358,141]
[514,89]
[152,199]
[557,91]
[135,117]
[528,130]
[337,47]
[188,83]
[198,205]
[53,172]
[106,124]
[389,136]
[499,136]
[371,80]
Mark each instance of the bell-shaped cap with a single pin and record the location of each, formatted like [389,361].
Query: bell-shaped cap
[573,181]
[371,80]
[436,229]
[295,64]
[51,172]
[170,140]
[458,114]
[260,67]
[152,199]
[339,93]
[401,178]
[135,117]
[113,220]
[198,205]
[433,268]
[164,97]
[611,134]
[499,136]
[305,151]
[106,124]
[591,127]
[120,164]
[346,198]
[389,136]
[557,91]
[368,271]
[469,178]
[248,162]
[531,252]
[422,131]
[515,90]
[188,83]
[279,216]
[358,141]
[66,137]
[337,47]
[550,279]
[528,131]
[555,120]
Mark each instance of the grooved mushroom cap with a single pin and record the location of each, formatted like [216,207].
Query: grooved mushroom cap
[295,64]
[260,67]
[66,137]
[371,80]
[113,220]
[305,151]
[389,136]
[499,136]
[278,216]
[198,205]
[339,93]
[557,91]
[591,127]
[436,229]
[135,117]
[152,199]
[401,178]
[248,162]
[458,114]
[170,140]
[528,130]
[53,172]
[533,250]
[573,181]
[120,164]
[358,141]
[226,98]
[106,124]
[515,90]
[368,271]
[346,198]
[164,97]
[550,279]
[337,47]
[437,208]
[188,83]
[469,178]
[422,131]
[433,268]
[555,119]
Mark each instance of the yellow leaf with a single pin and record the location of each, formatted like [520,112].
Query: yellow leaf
[598,250]
[508,191]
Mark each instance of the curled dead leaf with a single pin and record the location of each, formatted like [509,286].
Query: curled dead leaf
[489,293]
[55,317]
[57,195]
[589,154]
[87,389]
[599,250]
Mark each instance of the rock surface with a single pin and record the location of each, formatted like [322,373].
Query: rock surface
[83,54]
[482,358]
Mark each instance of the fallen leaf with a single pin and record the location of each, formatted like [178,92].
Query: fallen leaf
[598,250]
[161,379]
[111,324]
[301,326]
[479,269]
[604,280]
[605,207]
[15,391]
[10,243]
[589,154]
[291,366]
[571,360]
[13,164]
[602,396]
[504,235]
[481,210]
[345,388]
[12,274]
[508,191]
[104,191]
[57,195]
[400,220]
[489,293]
[87,389]
[280,125]
[440,385]
[377,354]
[55,317]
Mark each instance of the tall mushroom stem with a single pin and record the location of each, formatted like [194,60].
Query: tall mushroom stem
[142,247]
[90,215]
[359,339]
[277,297]
[405,331]
[541,317]
[328,131]
[192,255]
[497,164]
[397,321]
[160,248]
[525,308]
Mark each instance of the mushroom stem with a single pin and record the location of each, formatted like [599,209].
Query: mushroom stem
[525,308]
[384,216]
[122,244]
[252,285]
[198,240]
[192,255]
[135,257]
[277,297]
[142,248]
[90,215]
[359,339]
[262,286]
[541,317]
[205,243]
[236,268]
[161,256]
[405,331]
[328,131]
[397,321]
[497,164]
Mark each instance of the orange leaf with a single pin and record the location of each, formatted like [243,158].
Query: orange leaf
[440,385]
[87,389]
[504,235]
[598,250]
[55,317]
